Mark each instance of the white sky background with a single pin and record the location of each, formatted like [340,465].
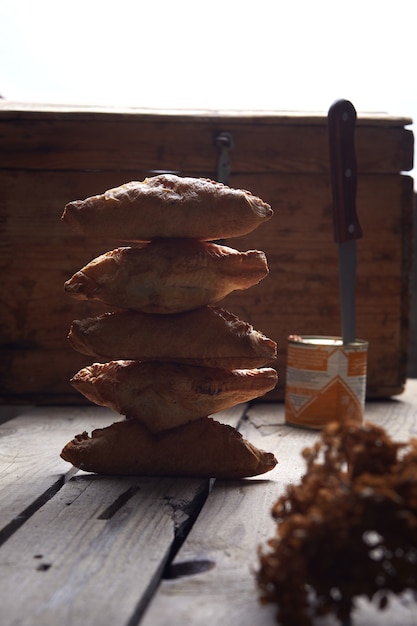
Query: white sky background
[220,54]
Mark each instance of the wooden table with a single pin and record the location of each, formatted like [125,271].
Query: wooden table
[79,549]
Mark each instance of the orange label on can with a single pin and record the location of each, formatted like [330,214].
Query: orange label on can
[356,364]
[308,359]
[325,383]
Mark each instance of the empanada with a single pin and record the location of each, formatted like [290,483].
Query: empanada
[204,448]
[207,336]
[168,206]
[165,395]
[167,275]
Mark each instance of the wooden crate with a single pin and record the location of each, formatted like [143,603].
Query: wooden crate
[52,155]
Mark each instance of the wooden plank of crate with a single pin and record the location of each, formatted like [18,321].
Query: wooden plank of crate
[10,109]
[95,549]
[29,110]
[299,295]
[398,416]
[31,469]
[156,142]
[211,579]
[94,553]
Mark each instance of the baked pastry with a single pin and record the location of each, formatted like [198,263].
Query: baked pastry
[165,395]
[167,275]
[203,448]
[206,336]
[168,206]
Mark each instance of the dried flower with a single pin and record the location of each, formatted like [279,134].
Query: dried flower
[348,529]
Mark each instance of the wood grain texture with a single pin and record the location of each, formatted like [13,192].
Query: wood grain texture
[236,520]
[180,142]
[94,551]
[90,549]
[31,441]
[30,465]
[54,155]
[301,293]
[83,559]
[10,109]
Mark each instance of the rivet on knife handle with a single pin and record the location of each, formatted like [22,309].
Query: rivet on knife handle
[343,170]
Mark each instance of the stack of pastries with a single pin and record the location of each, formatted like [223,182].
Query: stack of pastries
[170,356]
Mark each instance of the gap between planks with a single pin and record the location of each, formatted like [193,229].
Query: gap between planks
[236,520]
[221,545]
[66,537]
[31,470]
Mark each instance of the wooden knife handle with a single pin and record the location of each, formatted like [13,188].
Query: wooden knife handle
[343,170]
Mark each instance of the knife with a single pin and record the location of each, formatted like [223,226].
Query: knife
[347,229]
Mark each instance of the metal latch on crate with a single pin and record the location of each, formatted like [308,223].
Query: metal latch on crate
[224,142]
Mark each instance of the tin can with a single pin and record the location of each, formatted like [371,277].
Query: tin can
[325,381]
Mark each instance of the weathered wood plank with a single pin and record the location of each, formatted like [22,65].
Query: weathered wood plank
[64,556]
[222,545]
[399,415]
[38,253]
[30,465]
[300,295]
[95,550]
[31,442]
[83,558]
[189,143]
[15,110]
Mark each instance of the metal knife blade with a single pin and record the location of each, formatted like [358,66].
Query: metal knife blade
[347,229]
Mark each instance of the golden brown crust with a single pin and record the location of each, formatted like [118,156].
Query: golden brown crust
[166,395]
[168,206]
[167,275]
[203,448]
[208,336]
